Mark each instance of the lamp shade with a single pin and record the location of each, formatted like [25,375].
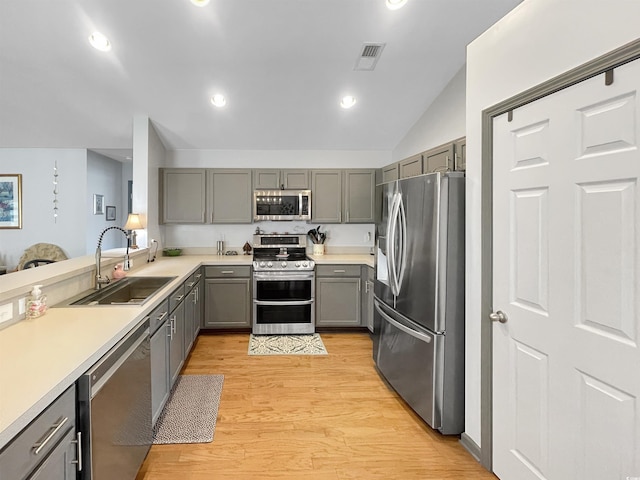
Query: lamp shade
[133,222]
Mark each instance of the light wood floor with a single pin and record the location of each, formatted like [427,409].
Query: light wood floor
[308,417]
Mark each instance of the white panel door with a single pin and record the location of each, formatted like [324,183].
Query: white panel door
[566,211]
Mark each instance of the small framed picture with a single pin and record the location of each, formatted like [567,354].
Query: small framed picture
[111,213]
[98,204]
[11,201]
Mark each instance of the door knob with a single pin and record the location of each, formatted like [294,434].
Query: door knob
[498,316]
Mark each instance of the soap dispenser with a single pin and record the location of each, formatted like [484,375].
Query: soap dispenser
[37,303]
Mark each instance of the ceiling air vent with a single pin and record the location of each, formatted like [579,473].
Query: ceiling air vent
[369,55]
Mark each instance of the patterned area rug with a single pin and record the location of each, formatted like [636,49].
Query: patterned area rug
[191,411]
[286,345]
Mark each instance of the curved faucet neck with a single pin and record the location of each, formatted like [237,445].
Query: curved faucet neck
[99,280]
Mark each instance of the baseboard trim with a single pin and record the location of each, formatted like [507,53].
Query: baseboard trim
[470,446]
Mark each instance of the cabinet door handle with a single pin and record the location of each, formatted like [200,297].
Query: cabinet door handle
[339,271]
[227,272]
[198,276]
[56,427]
[359,286]
[195,296]
[179,298]
[164,314]
[78,450]
[170,327]
[190,284]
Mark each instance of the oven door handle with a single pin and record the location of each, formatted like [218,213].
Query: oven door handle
[282,278]
[295,302]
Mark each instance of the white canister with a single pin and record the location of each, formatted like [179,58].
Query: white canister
[318,248]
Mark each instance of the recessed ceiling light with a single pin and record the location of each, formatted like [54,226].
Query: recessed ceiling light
[218,100]
[348,101]
[99,42]
[200,3]
[395,4]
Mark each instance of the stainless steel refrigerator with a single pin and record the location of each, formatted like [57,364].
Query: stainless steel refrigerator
[419,295]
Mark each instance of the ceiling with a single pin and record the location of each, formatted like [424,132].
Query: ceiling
[283,66]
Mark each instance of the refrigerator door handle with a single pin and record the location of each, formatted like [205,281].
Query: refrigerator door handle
[391,246]
[399,326]
[402,220]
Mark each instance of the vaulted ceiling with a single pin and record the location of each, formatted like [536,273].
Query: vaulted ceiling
[283,66]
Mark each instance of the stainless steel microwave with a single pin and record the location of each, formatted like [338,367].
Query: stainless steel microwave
[281,205]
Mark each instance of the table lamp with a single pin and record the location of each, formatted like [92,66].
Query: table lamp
[133,224]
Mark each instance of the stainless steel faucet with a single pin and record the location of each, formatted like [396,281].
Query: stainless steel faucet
[99,279]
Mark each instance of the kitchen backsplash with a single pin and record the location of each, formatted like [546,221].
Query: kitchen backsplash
[341,238]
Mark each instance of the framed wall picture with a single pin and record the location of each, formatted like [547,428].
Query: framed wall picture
[111,213]
[11,200]
[98,204]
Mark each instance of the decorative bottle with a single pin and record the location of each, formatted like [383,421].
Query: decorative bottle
[36,303]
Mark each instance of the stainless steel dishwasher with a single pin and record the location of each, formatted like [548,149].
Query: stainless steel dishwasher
[114,409]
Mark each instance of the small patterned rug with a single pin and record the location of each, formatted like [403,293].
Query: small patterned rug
[286,345]
[191,411]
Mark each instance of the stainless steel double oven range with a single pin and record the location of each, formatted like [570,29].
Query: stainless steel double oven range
[283,285]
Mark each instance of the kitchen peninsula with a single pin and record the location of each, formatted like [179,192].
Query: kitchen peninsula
[54,350]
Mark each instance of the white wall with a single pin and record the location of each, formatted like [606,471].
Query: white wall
[442,122]
[104,177]
[36,167]
[278,158]
[148,156]
[537,41]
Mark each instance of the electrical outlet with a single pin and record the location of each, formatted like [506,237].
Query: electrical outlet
[6,312]
[22,306]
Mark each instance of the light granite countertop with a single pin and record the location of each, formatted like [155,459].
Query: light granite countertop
[40,358]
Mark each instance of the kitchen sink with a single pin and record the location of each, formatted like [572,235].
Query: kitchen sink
[126,291]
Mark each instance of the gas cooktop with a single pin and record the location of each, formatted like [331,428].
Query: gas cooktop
[281,252]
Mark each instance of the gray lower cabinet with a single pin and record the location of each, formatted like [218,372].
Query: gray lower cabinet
[182,195]
[160,329]
[60,463]
[47,448]
[367,297]
[338,296]
[227,297]
[230,195]
[176,334]
[274,179]
[192,311]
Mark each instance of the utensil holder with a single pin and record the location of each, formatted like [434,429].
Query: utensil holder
[318,248]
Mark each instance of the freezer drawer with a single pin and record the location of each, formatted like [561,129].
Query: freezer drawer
[407,358]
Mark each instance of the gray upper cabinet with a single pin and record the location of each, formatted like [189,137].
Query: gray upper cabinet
[230,193]
[439,159]
[359,196]
[411,166]
[183,195]
[460,154]
[272,179]
[390,173]
[326,196]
